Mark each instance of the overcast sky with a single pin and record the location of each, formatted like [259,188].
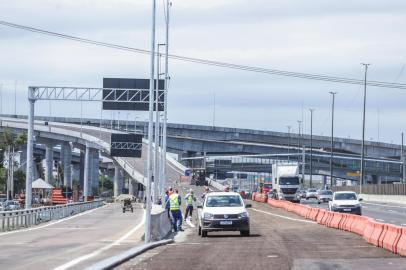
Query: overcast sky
[319,36]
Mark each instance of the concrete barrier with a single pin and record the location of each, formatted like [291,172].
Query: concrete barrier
[399,199]
[160,223]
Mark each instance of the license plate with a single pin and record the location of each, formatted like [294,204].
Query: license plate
[347,209]
[226,222]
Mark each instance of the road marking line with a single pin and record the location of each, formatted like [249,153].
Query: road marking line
[285,217]
[100,250]
[272,256]
[52,223]
[381,220]
[403,224]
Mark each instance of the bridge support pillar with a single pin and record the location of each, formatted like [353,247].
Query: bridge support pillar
[130,186]
[95,169]
[118,180]
[67,160]
[49,158]
[86,180]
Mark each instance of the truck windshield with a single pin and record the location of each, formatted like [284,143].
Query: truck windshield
[289,181]
[223,201]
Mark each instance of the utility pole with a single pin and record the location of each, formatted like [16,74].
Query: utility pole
[311,147]
[15,98]
[289,127]
[299,136]
[402,159]
[214,109]
[151,115]
[332,139]
[164,131]
[361,180]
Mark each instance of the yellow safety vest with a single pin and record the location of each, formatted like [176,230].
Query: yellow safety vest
[190,199]
[174,202]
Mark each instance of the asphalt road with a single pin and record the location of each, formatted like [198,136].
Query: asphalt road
[279,240]
[382,212]
[72,243]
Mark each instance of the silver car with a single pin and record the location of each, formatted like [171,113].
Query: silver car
[324,196]
[311,193]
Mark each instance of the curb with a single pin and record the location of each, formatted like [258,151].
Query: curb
[114,261]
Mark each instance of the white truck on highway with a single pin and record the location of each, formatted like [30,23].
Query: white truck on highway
[286,182]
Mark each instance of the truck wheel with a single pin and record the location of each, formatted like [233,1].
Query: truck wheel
[123,210]
[318,202]
[132,210]
[200,231]
[204,233]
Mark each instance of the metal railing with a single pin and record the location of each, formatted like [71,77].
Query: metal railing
[382,189]
[18,219]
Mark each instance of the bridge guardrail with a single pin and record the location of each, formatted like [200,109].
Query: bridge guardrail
[18,219]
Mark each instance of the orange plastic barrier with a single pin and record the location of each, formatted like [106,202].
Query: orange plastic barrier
[335,220]
[383,234]
[369,230]
[376,233]
[348,222]
[321,215]
[401,245]
[325,218]
[392,237]
[359,225]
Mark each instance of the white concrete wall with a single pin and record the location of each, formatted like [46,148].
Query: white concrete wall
[384,198]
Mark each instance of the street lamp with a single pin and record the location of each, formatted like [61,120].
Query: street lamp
[361,180]
[332,138]
[289,127]
[311,146]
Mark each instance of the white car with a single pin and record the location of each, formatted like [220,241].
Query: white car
[346,202]
[223,211]
[311,193]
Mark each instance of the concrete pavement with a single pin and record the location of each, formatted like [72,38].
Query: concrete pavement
[279,240]
[73,243]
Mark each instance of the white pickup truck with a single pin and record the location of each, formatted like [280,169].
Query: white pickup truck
[223,211]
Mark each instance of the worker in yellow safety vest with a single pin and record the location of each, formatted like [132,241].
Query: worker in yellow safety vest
[174,206]
[189,198]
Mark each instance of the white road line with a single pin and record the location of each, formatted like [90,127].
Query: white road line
[285,217]
[404,224]
[381,220]
[51,223]
[385,205]
[100,250]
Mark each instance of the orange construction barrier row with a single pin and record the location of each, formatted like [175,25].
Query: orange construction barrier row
[390,237]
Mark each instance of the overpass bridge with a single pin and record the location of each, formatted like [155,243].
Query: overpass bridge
[190,141]
[92,143]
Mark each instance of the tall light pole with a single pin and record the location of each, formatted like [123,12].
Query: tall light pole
[361,180]
[126,123]
[157,126]
[332,138]
[168,5]
[311,147]
[299,135]
[402,159]
[147,237]
[135,124]
[289,127]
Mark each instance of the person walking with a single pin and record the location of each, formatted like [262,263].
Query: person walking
[174,206]
[189,198]
[206,191]
[167,204]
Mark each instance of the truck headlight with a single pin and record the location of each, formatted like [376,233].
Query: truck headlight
[208,216]
[244,215]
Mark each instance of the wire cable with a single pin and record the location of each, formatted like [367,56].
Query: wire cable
[210,62]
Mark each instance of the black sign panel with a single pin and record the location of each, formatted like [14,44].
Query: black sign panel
[126,145]
[134,100]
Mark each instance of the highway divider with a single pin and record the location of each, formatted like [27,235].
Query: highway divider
[387,236]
